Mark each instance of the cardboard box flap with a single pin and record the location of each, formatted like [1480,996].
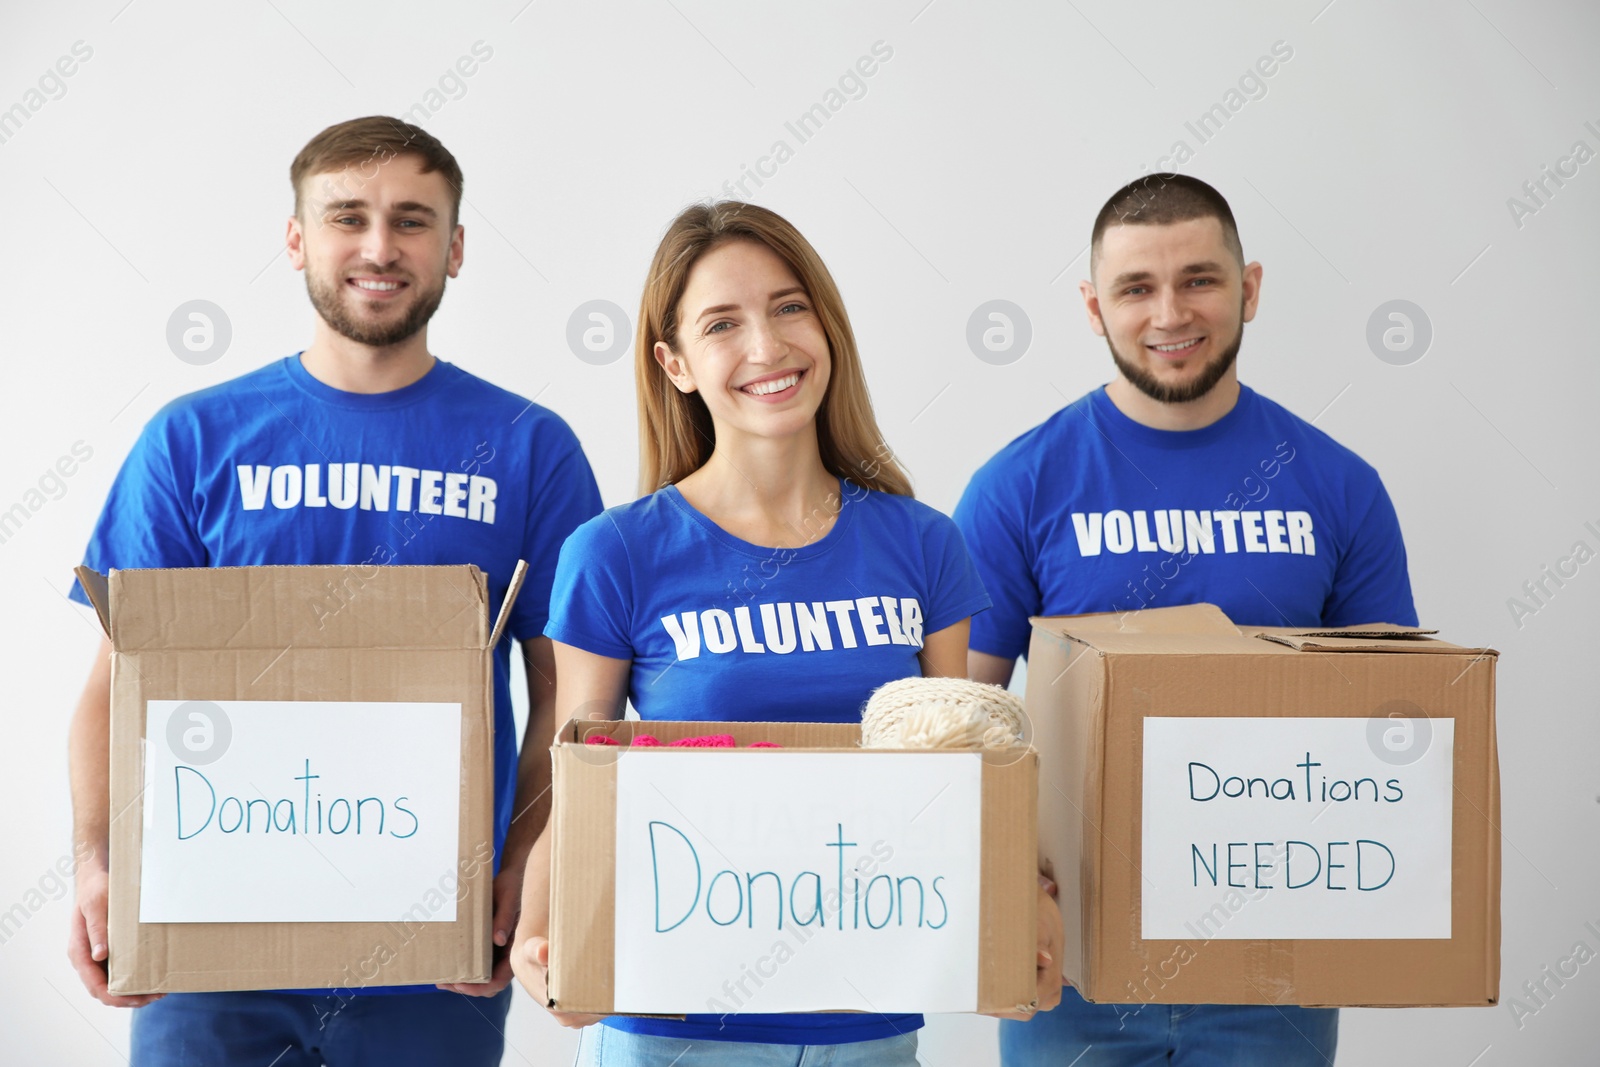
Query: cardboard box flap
[94,587]
[1234,644]
[1372,637]
[504,618]
[1185,619]
[1196,629]
[1189,630]
[1369,629]
[278,608]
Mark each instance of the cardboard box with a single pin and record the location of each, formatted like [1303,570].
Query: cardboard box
[1249,815]
[288,701]
[741,872]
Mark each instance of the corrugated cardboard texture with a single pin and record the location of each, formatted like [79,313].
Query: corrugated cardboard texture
[1188,619]
[1406,643]
[1194,629]
[1089,689]
[1008,945]
[403,634]
[583,889]
[583,876]
[1371,629]
[282,607]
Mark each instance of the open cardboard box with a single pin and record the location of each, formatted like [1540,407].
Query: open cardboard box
[268,656]
[762,812]
[1135,717]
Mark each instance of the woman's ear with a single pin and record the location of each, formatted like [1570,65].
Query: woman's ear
[676,367]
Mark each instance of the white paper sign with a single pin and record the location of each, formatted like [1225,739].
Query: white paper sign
[1296,828]
[772,881]
[300,811]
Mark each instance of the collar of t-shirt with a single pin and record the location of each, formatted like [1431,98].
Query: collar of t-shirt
[849,493]
[420,389]
[1115,424]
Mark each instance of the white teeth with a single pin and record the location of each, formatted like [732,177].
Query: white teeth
[1174,348]
[382,287]
[776,385]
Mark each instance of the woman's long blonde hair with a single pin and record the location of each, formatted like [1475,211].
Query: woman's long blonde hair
[676,436]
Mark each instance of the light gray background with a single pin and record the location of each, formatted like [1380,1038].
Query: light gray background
[1377,166]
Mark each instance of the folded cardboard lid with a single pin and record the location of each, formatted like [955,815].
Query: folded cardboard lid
[1369,637]
[1184,619]
[1189,629]
[442,607]
[1192,629]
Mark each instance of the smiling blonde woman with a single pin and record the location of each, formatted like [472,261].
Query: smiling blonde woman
[776,520]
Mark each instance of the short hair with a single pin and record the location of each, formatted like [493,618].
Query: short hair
[1160,200]
[367,143]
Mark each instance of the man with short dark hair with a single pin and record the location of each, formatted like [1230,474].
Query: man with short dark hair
[1175,484]
[366,450]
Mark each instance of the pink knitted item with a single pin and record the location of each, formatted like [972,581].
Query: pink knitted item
[649,741]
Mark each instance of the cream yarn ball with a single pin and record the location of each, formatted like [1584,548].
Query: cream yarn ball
[941,713]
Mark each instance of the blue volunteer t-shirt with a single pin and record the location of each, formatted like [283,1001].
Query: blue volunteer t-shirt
[1259,513]
[275,467]
[718,628]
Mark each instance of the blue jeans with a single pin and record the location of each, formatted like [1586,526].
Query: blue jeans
[296,1030]
[603,1046]
[1081,1034]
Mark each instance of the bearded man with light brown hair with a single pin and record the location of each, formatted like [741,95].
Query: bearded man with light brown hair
[364,449]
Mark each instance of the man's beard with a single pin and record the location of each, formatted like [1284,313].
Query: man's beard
[1161,392]
[326,298]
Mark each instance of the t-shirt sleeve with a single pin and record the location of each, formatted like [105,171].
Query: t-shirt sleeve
[1372,583]
[563,497]
[955,590]
[993,524]
[148,520]
[591,600]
